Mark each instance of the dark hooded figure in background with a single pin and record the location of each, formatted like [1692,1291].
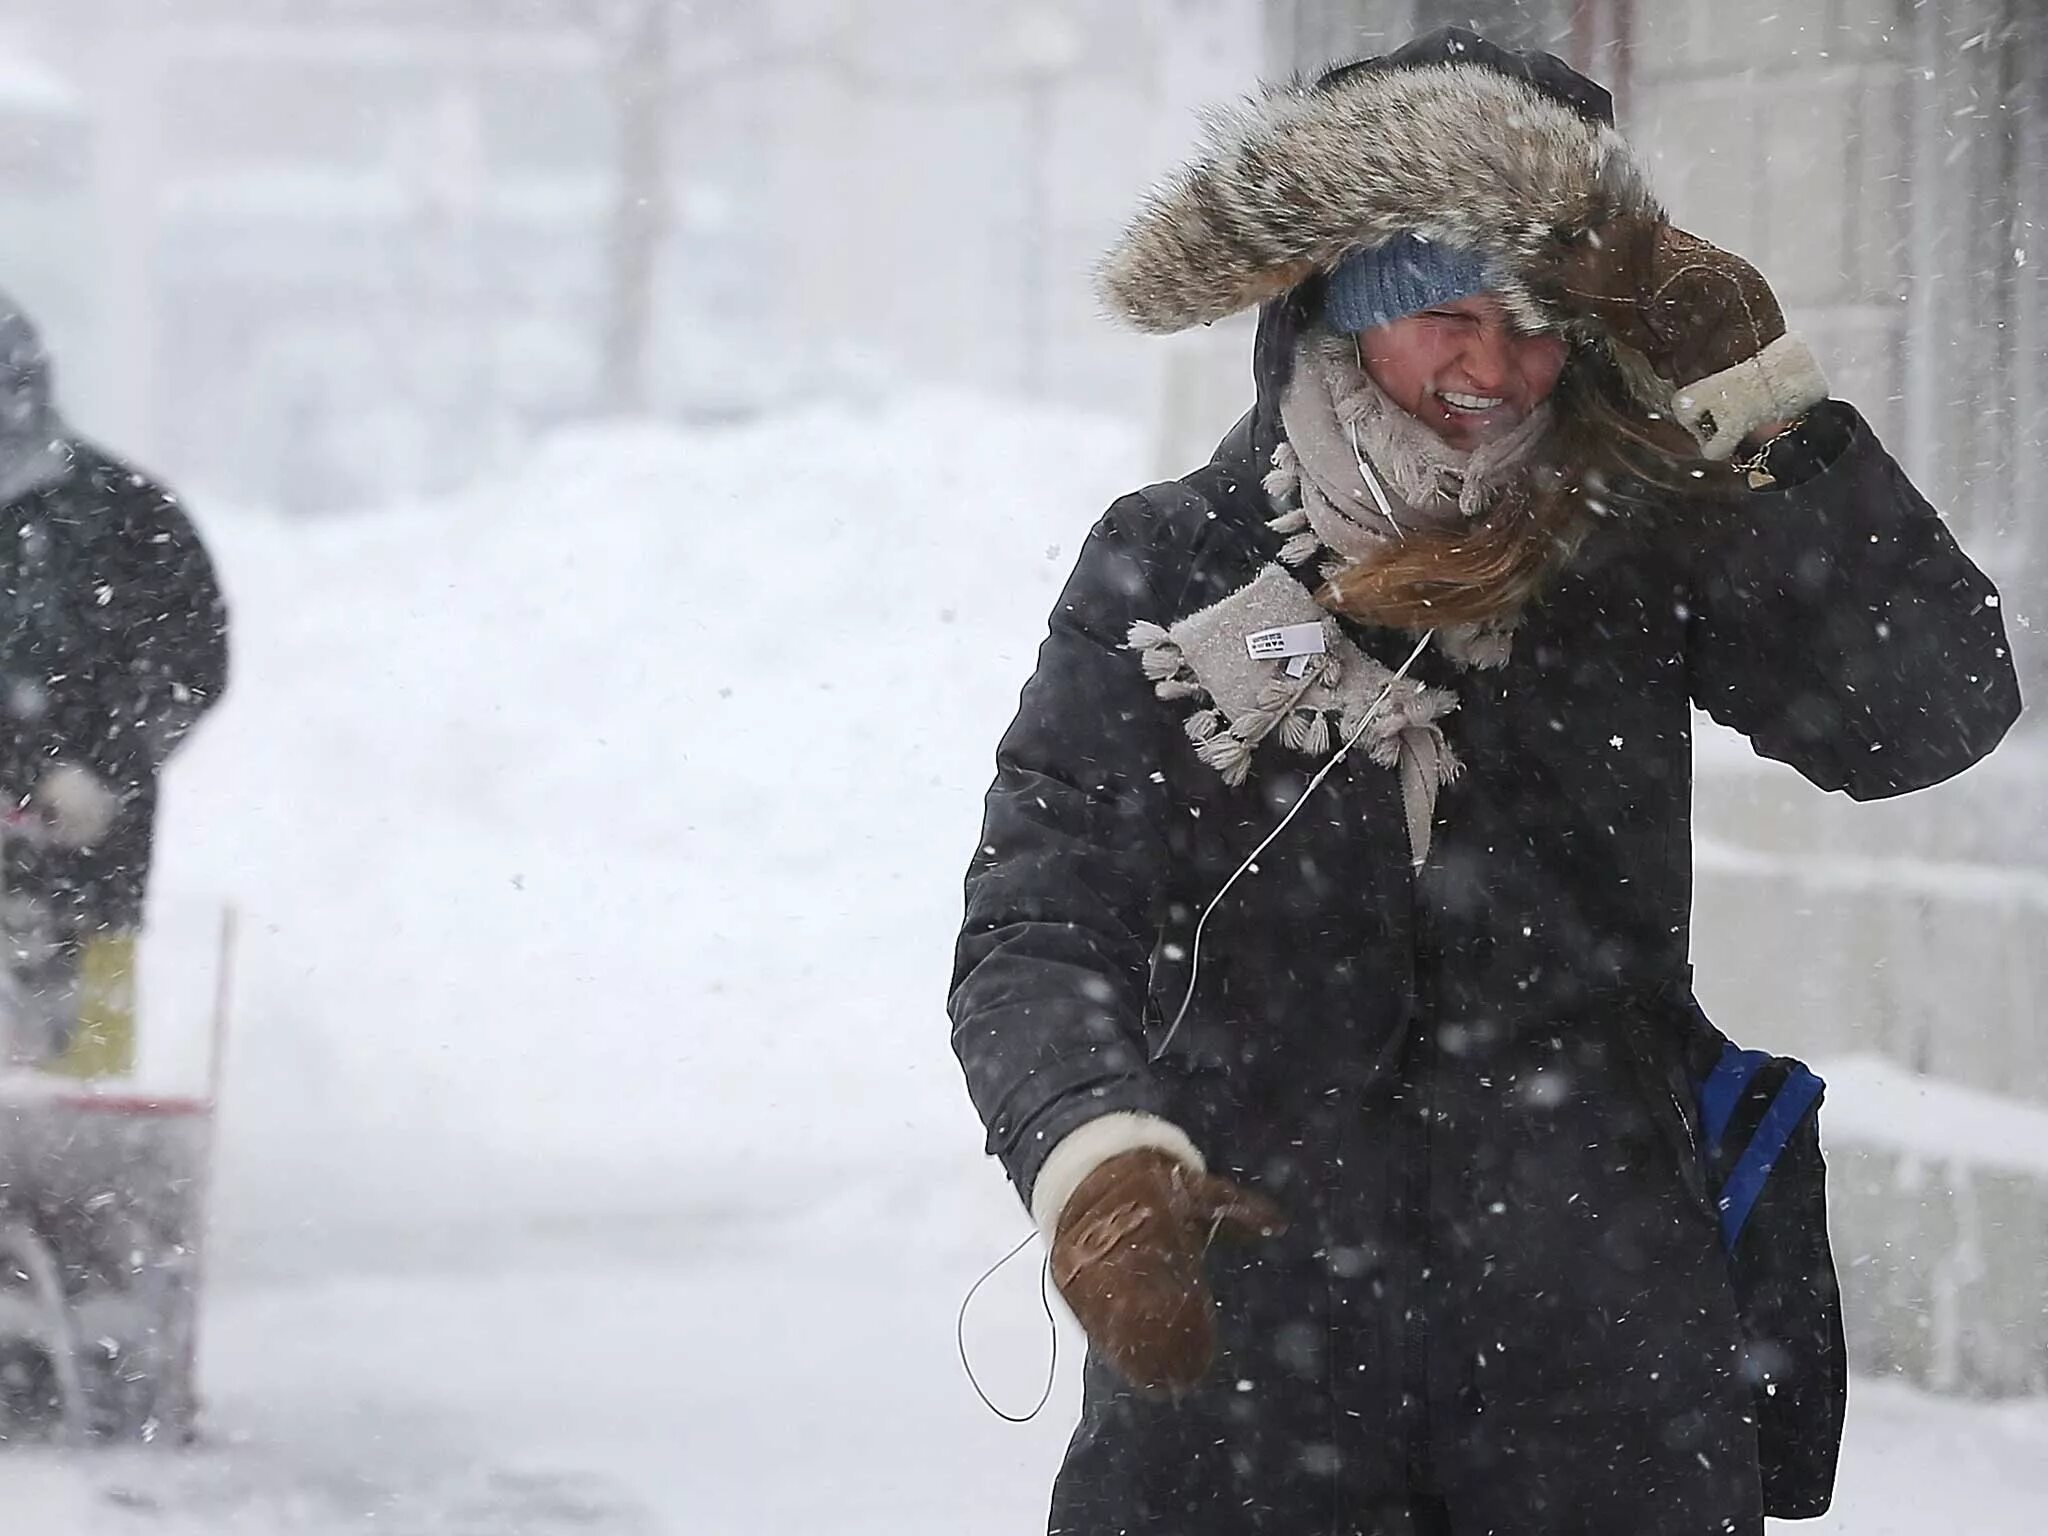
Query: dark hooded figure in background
[113,643]
[1369,1150]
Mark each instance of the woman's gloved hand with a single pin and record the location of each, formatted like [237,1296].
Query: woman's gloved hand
[1699,316]
[75,806]
[1128,1259]
[1689,307]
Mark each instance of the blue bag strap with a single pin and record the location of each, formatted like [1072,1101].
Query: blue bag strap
[1722,1091]
[1745,1184]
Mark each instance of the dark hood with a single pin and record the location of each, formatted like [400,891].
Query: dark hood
[35,448]
[1546,72]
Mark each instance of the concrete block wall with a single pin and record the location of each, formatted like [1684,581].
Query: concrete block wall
[1778,132]
[1817,141]
[1876,159]
[1865,154]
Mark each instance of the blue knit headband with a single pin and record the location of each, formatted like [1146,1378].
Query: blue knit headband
[1406,274]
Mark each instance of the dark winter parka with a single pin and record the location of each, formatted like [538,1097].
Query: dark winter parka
[113,639]
[1501,1305]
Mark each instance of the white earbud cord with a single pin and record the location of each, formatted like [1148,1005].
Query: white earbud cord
[1194,975]
[1372,481]
[1195,957]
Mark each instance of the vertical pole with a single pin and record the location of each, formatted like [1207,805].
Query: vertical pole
[2030,252]
[2004,397]
[1036,244]
[640,210]
[1623,72]
[223,1001]
[185,1400]
[1924,206]
[1585,30]
[127,67]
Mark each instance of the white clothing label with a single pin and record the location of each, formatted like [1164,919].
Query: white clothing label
[1287,640]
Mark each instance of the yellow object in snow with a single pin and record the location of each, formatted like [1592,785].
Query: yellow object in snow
[102,1041]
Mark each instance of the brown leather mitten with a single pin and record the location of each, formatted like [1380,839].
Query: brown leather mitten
[1690,308]
[1128,1259]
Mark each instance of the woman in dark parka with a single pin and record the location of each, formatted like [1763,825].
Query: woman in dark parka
[1434,1068]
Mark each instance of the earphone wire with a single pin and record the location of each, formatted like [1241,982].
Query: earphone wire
[1052,1330]
[1372,481]
[1202,923]
[1187,999]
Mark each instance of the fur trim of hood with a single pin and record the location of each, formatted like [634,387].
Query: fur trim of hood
[1304,174]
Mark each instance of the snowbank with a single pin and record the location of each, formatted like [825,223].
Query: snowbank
[597,832]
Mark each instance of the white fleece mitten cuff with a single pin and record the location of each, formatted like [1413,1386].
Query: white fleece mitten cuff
[1724,408]
[1086,1148]
[77,805]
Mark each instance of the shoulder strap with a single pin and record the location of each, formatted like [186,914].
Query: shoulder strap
[1745,1183]
[1722,1090]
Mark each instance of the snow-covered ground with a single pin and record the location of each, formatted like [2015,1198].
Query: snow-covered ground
[593,1158]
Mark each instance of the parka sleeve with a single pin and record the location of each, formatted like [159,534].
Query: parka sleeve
[161,658]
[1834,621]
[1050,974]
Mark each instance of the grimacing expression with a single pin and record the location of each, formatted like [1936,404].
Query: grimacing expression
[1462,369]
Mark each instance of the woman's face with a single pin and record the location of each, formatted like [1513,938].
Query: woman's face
[1462,368]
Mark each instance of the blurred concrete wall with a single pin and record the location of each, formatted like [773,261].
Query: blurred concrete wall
[311,254]
[319,253]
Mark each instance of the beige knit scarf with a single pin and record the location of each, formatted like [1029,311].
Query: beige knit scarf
[1337,418]
[1338,421]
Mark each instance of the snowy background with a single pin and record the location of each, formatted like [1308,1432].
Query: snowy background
[633,561]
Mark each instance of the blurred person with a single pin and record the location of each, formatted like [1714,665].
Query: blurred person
[113,643]
[1530,474]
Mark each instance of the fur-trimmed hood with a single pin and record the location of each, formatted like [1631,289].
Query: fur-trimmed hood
[1496,156]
